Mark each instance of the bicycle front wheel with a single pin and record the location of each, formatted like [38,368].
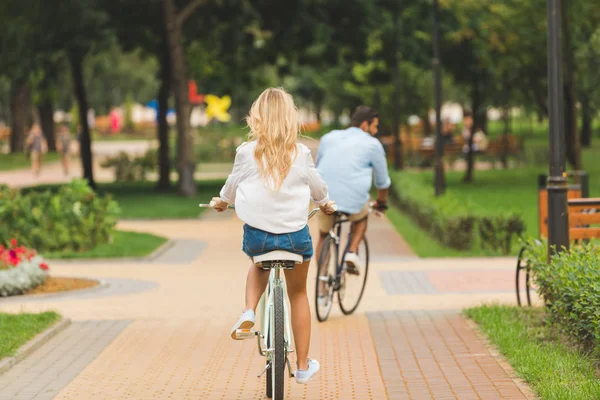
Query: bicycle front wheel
[326,271]
[352,286]
[278,359]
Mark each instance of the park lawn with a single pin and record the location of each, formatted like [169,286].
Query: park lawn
[141,200]
[18,329]
[537,352]
[10,162]
[125,244]
[512,190]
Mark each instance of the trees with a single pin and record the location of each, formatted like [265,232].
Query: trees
[186,160]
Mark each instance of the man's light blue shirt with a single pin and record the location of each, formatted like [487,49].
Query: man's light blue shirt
[348,160]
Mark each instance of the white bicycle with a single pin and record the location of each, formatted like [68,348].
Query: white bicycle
[274,341]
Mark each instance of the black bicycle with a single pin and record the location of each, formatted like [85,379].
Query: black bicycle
[333,275]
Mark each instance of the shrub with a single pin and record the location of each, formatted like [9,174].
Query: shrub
[570,287]
[73,218]
[497,232]
[21,269]
[451,221]
[128,169]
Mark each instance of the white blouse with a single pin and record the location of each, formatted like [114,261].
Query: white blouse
[282,211]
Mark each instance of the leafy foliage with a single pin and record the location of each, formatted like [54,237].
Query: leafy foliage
[570,287]
[72,218]
[130,169]
[452,221]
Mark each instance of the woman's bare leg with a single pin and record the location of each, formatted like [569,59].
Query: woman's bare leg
[296,286]
[256,283]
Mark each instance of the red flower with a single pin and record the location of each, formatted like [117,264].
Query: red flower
[13,243]
[44,266]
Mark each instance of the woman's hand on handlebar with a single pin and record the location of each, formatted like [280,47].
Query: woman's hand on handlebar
[218,204]
[329,208]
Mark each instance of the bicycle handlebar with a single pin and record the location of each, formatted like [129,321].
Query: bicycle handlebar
[212,204]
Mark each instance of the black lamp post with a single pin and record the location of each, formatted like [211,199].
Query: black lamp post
[558,216]
[396,130]
[439,181]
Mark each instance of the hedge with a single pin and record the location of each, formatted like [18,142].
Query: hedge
[451,220]
[570,287]
[72,219]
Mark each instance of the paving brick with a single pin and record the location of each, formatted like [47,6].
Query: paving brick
[460,367]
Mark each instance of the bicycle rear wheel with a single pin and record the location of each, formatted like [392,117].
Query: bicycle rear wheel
[278,360]
[326,271]
[352,287]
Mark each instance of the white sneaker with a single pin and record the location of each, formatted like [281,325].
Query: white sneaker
[305,375]
[353,262]
[246,321]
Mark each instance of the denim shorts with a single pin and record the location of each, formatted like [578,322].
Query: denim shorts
[257,242]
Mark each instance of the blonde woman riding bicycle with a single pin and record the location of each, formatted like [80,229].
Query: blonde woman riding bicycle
[272,184]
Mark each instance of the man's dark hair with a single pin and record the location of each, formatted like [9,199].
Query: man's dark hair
[467,113]
[362,114]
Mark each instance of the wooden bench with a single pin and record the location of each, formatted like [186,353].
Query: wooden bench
[584,219]
[584,224]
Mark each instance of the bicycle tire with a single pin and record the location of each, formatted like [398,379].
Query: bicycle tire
[328,250]
[348,307]
[279,357]
[269,381]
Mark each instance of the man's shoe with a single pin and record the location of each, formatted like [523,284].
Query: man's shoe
[353,263]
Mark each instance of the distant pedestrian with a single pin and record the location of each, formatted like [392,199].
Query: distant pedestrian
[63,145]
[37,146]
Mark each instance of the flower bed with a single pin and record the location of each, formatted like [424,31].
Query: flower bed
[21,269]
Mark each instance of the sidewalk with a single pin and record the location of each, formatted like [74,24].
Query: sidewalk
[167,329]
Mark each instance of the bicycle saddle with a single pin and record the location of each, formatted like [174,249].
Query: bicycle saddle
[278,257]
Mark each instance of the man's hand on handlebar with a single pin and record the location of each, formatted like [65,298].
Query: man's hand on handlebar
[219,204]
[329,208]
[379,206]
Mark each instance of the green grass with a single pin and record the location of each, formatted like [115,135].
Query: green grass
[18,329]
[140,200]
[513,190]
[124,244]
[421,243]
[537,353]
[10,162]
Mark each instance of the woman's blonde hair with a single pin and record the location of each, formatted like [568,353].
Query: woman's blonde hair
[274,124]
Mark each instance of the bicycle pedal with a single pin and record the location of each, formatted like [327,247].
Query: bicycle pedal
[246,333]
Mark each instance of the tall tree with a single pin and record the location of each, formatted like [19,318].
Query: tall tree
[83,30]
[174,21]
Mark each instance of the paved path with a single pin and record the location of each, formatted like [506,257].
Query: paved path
[160,330]
[404,342]
[52,173]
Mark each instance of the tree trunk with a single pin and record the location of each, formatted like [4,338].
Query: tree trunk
[572,141]
[475,104]
[85,142]
[186,161]
[19,108]
[164,156]
[319,110]
[46,110]
[506,117]
[586,122]
[426,125]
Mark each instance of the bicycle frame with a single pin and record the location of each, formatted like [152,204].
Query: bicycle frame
[336,233]
[266,304]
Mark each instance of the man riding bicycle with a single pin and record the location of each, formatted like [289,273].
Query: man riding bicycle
[347,160]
